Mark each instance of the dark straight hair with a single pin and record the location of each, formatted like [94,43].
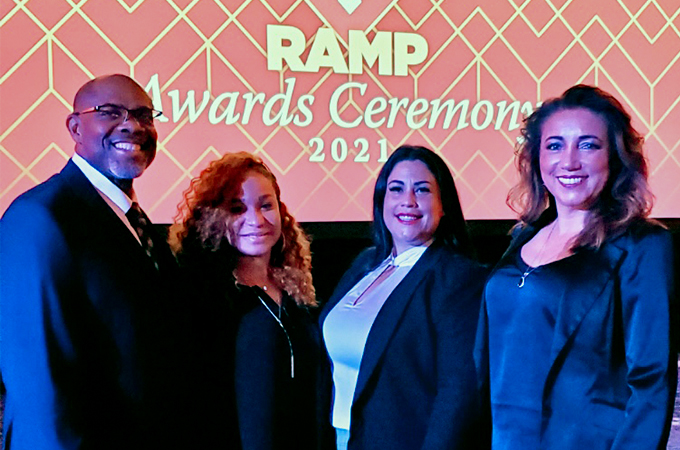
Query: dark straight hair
[452,228]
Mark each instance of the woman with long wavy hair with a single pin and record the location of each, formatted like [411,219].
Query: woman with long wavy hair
[575,333]
[237,238]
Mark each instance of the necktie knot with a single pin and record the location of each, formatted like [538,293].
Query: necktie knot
[136,214]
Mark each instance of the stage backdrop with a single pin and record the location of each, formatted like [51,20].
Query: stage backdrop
[325,90]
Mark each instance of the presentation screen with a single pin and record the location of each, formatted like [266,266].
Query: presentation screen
[324,91]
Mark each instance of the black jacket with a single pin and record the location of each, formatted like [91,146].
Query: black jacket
[417,386]
[91,354]
[613,372]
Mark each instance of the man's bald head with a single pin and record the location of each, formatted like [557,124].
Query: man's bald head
[92,88]
[118,144]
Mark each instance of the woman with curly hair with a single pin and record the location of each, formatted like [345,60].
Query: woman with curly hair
[237,238]
[575,332]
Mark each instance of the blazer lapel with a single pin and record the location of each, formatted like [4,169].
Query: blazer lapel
[97,209]
[390,315]
[582,289]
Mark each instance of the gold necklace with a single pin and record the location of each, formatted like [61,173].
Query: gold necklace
[530,269]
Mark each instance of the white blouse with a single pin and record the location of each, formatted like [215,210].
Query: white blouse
[347,325]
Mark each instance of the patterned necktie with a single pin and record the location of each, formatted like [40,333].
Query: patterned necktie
[142,226]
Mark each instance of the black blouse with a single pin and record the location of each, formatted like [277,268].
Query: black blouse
[277,370]
[518,316]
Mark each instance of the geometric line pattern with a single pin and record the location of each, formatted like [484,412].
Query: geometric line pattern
[214,53]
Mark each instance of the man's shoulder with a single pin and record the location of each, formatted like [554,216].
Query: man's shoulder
[51,189]
[48,201]
[41,197]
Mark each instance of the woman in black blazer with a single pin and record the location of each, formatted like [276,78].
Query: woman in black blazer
[250,270]
[400,327]
[575,332]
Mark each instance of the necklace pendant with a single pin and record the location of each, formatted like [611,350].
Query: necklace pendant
[521,281]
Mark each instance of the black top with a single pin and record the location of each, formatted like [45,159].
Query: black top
[517,316]
[244,362]
[277,373]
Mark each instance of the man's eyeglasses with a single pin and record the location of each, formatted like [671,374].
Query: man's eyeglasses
[120,113]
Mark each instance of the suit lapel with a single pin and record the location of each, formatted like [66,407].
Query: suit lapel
[110,225]
[583,288]
[389,317]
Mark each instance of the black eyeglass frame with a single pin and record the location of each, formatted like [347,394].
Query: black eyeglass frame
[135,113]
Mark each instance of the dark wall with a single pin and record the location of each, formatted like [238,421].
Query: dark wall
[336,244]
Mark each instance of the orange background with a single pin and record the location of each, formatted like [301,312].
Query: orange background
[491,50]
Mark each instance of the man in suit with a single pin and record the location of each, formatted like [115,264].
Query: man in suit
[89,353]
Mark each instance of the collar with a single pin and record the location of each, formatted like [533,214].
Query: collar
[103,184]
[409,257]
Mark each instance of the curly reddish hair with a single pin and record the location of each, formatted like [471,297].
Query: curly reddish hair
[203,217]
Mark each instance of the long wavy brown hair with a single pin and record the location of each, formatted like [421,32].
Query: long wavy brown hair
[625,198]
[203,217]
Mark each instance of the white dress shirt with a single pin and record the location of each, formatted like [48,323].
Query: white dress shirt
[118,200]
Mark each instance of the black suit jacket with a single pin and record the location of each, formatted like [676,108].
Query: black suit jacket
[416,384]
[613,373]
[89,356]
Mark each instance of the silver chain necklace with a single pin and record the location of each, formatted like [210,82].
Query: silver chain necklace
[530,269]
[290,343]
